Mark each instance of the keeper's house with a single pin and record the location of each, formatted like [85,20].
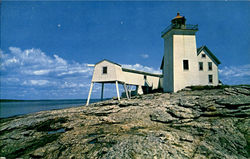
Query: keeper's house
[182,64]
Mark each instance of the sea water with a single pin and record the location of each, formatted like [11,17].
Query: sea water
[14,108]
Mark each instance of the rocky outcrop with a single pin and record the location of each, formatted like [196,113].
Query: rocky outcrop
[188,124]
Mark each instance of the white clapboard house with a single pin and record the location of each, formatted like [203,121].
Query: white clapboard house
[107,71]
[182,64]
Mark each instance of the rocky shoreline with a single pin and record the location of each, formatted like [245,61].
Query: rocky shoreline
[188,124]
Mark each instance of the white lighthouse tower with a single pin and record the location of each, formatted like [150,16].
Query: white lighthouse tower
[180,63]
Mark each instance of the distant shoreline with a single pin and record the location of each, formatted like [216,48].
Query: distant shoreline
[12,107]
[11,100]
[32,100]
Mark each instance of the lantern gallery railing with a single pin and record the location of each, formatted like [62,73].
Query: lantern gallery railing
[176,26]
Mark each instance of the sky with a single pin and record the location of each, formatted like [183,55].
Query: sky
[46,45]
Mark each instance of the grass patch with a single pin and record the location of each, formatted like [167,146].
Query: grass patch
[207,87]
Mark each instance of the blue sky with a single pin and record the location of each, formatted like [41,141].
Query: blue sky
[46,46]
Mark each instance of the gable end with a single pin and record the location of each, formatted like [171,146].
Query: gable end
[209,53]
[109,62]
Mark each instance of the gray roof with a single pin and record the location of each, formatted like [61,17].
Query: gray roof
[108,61]
[141,72]
[204,47]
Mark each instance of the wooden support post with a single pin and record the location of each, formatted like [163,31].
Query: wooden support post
[129,90]
[136,89]
[117,90]
[126,89]
[90,90]
[102,91]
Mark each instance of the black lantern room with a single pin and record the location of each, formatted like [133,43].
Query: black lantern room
[179,22]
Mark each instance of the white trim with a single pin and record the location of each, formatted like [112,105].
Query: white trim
[90,90]
[117,90]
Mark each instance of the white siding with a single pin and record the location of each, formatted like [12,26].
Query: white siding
[185,49]
[134,79]
[154,82]
[203,75]
[114,73]
[138,79]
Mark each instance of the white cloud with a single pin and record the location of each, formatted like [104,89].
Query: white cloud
[140,67]
[69,85]
[13,79]
[13,60]
[74,84]
[15,50]
[76,69]
[32,68]
[36,82]
[60,60]
[235,74]
[145,56]
[26,57]
[41,72]
[235,71]
[35,62]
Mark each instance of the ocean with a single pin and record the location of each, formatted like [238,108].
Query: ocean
[14,108]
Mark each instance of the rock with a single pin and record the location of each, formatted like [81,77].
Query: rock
[233,102]
[106,103]
[230,91]
[187,138]
[183,113]
[211,108]
[186,103]
[245,91]
[39,153]
[161,116]
[188,124]
[126,104]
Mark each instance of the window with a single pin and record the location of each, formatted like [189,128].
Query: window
[105,70]
[201,66]
[185,64]
[203,55]
[210,78]
[210,66]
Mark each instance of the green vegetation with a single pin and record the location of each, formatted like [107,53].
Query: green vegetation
[207,87]
[193,88]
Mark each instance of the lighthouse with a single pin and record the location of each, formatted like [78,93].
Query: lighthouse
[183,64]
[180,63]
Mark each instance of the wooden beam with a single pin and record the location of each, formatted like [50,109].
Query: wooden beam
[126,89]
[117,90]
[136,89]
[129,90]
[102,91]
[90,90]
